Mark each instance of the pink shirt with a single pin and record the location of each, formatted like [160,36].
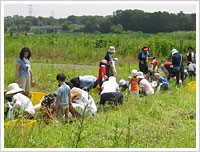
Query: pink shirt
[147,86]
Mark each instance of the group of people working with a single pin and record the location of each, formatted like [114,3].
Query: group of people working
[72,97]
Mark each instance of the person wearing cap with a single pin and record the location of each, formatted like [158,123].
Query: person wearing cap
[82,102]
[123,84]
[102,72]
[110,62]
[110,91]
[24,74]
[145,85]
[178,67]
[162,83]
[190,56]
[21,101]
[154,68]
[133,88]
[143,58]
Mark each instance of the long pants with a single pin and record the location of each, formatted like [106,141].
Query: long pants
[178,75]
[143,67]
[25,83]
[63,112]
[117,96]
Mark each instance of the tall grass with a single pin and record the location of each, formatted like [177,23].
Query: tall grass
[159,121]
[165,120]
[91,48]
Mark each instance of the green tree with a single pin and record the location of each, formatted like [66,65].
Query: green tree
[90,27]
[117,29]
[66,26]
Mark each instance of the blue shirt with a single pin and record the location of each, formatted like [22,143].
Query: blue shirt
[24,70]
[63,92]
[87,81]
[162,80]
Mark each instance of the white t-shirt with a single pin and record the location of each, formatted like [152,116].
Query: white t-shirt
[147,86]
[24,102]
[109,86]
[85,101]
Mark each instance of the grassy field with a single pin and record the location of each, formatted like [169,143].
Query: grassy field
[165,120]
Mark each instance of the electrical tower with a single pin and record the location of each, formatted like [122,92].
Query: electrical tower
[30,10]
[52,13]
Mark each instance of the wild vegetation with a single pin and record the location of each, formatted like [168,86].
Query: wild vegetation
[165,120]
[91,48]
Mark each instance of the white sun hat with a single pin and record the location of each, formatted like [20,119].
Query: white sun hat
[13,88]
[134,73]
[122,82]
[111,49]
[140,75]
[154,84]
[174,51]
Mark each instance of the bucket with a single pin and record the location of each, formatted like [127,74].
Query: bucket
[24,123]
[36,97]
[192,85]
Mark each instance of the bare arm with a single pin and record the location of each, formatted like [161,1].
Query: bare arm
[187,60]
[17,72]
[57,102]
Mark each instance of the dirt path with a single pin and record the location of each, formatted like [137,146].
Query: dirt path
[68,65]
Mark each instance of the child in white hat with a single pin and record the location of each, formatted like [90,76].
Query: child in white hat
[133,88]
[145,85]
[21,101]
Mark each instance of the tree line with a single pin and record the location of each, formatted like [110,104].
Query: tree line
[118,22]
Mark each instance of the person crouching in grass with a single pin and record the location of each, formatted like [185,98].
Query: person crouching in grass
[145,85]
[162,83]
[62,104]
[133,87]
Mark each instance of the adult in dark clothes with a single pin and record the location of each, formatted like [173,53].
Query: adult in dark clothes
[143,58]
[178,67]
[190,56]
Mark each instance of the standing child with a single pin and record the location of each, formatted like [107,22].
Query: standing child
[62,102]
[102,72]
[133,88]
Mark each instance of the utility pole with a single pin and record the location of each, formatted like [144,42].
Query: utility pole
[30,10]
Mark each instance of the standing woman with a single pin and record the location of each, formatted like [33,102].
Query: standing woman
[143,58]
[24,74]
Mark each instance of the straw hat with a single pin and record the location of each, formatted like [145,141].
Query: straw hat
[140,75]
[111,49]
[157,76]
[122,82]
[174,51]
[134,73]
[13,88]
